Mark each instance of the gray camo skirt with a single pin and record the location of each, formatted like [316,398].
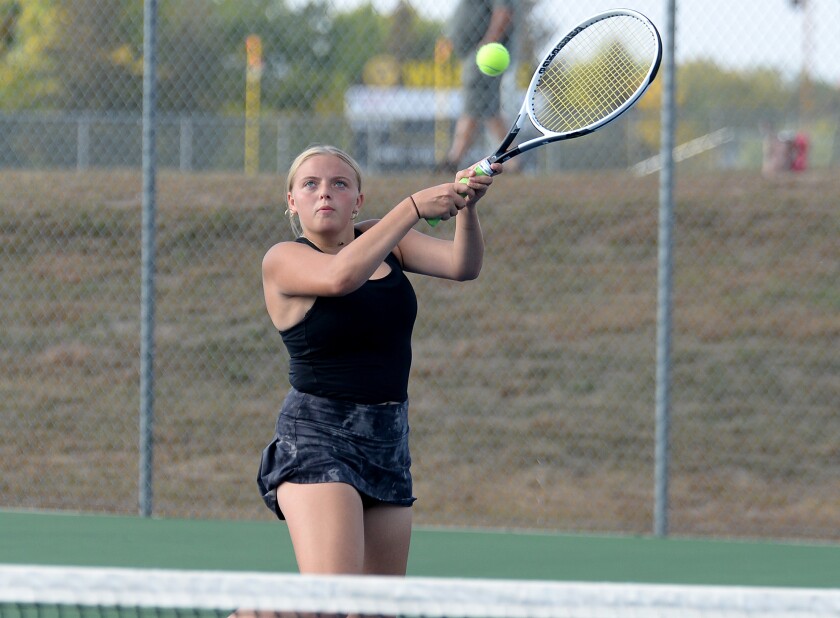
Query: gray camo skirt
[320,440]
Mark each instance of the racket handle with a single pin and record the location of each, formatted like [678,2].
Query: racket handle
[479,171]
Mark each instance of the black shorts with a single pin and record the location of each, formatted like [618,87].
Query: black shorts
[319,440]
[482,93]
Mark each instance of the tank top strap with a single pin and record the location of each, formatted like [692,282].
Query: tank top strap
[305,241]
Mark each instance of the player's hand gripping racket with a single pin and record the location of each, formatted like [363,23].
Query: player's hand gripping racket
[590,77]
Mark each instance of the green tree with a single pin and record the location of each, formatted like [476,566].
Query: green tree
[27,69]
[195,47]
[715,97]
[98,55]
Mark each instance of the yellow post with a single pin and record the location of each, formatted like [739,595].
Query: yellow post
[443,51]
[253,75]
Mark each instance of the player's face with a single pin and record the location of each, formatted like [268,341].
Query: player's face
[325,194]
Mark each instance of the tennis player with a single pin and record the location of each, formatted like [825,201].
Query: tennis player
[338,467]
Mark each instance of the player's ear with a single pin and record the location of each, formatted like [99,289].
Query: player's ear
[359,201]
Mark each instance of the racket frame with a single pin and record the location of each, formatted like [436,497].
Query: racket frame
[502,154]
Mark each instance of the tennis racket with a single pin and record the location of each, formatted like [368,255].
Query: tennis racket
[589,78]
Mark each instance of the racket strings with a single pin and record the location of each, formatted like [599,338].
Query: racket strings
[595,74]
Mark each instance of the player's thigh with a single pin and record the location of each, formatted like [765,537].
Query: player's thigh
[326,526]
[387,539]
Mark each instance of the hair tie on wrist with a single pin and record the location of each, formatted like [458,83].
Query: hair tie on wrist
[413,203]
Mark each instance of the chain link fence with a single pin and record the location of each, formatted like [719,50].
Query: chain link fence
[532,393]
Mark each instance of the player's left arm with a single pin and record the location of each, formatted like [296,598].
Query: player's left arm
[461,258]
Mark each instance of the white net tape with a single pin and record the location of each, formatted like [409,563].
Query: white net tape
[390,596]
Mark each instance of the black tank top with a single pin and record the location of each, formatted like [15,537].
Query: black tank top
[356,347]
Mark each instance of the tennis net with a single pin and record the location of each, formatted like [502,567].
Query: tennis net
[80,592]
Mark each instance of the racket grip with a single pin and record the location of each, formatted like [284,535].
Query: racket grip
[479,171]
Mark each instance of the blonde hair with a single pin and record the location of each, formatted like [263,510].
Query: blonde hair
[314,151]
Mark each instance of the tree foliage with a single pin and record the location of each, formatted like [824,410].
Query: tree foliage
[88,55]
[28,73]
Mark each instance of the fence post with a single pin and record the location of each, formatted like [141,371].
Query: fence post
[83,142]
[147,282]
[186,143]
[665,284]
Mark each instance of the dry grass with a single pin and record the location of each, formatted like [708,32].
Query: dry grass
[532,389]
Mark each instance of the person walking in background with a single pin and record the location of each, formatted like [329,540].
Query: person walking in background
[476,23]
[338,467]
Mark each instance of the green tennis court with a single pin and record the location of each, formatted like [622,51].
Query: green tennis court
[121,541]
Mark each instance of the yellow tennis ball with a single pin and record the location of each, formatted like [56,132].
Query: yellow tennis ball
[492,59]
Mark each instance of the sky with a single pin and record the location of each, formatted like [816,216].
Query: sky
[734,33]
